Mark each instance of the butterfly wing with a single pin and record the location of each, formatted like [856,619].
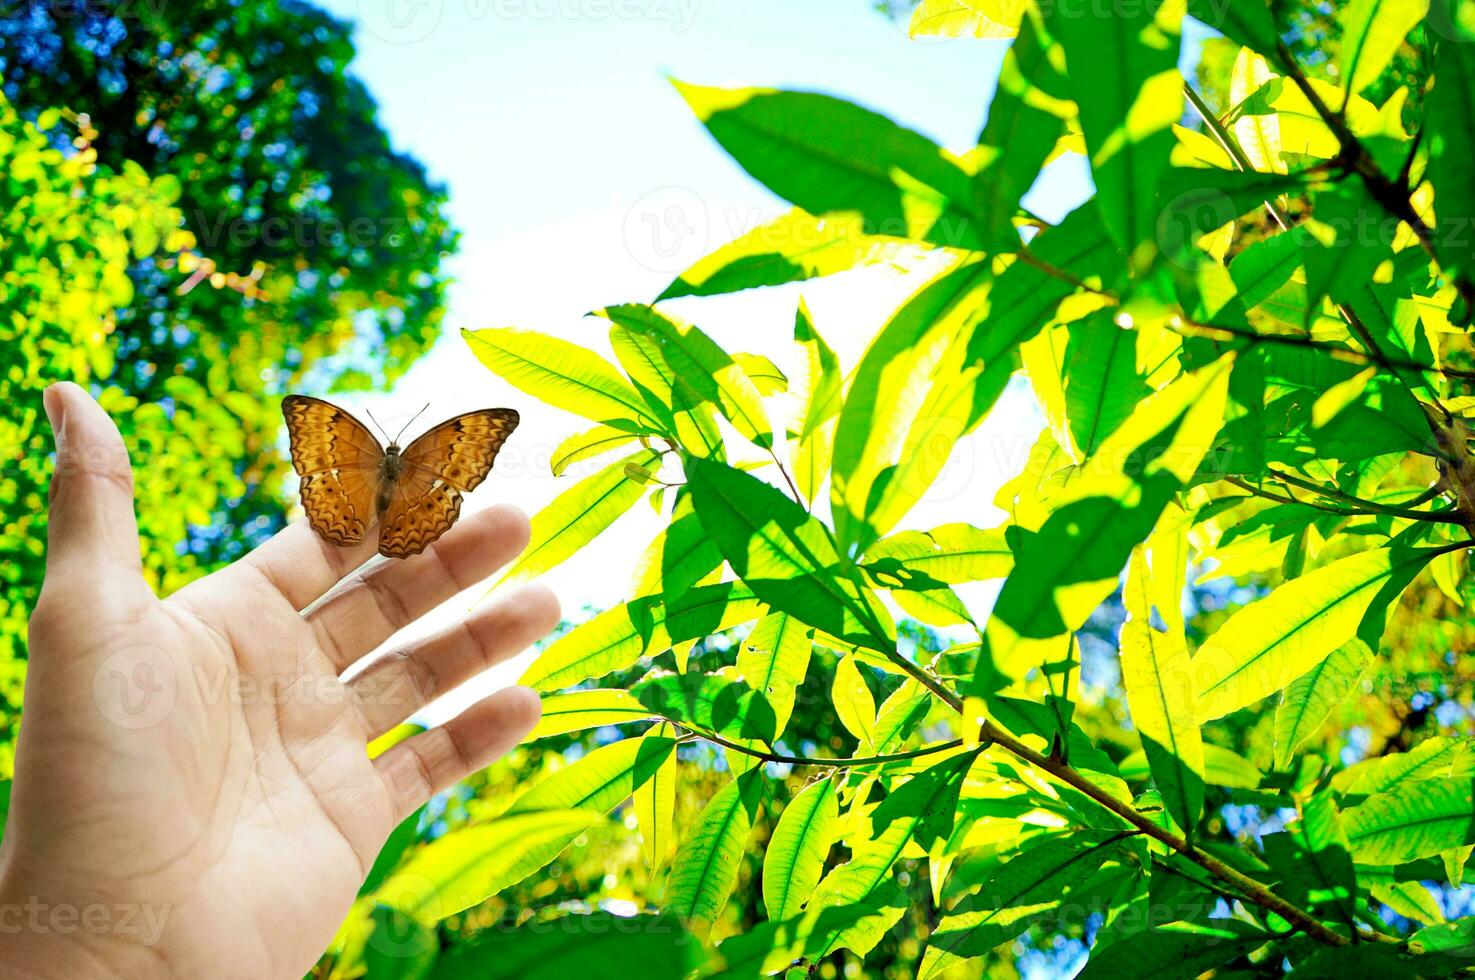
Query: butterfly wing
[451,459]
[339,461]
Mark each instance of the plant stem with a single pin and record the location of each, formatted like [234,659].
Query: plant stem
[1368,506]
[1392,197]
[1243,883]
[1335,350]
[1061,770]
[841,763]
[1285,498]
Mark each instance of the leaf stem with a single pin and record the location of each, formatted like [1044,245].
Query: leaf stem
[1392,197]
[840,763]
[1369,506]
[1253,890]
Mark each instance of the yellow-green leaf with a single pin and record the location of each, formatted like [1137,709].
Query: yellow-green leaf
[1158,676]
[1312,696]
[618,637]
[854,704]
[795,857]
[655,809]
[587,445]
[1269,643]
[1372,32]
[564,375]
[579,514]
[578,710]
[773,659]
[993,19]
[706,866]
[697,361]
[1411,821]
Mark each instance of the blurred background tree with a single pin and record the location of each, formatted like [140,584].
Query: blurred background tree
[200,210]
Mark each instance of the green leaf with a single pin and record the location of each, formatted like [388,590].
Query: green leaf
[854,704]
[792,248]
[826,155]
[579,514]
[564,375]
[965,18]
[1434,758]
[593,945]
[1266,645]
[1158,676]
[467,866]
[902,711]
[950,553]
[1019,892]
[795,856]
[1311,697]
[600,781]
[771,947]
[399,947]
[587,445]
[1178,949]
[821,400]
[1372,32]
[921,810]
[680,557]
[1314,860]
[910,401]
[694,358]
[1413,820]
[1122,72]
[692,418]
[1221,768]
[1025,120]
[579,710]
[1071,562]
[399,840]
[617,638]
[1247,22]
[464,868]
[785,556]
[1451,139]
[706,866]
[1102,385]
[655,808]
[717,702]
[773,659]
[764,374]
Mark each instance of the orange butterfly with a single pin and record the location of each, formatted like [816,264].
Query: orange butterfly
[415,493]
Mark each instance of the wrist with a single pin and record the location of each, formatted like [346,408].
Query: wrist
[45,938]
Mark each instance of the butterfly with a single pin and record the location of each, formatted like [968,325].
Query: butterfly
[349,481]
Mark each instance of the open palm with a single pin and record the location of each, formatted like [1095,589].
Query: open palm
[192,793]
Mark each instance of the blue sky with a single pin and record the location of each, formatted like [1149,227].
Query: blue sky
[580,179]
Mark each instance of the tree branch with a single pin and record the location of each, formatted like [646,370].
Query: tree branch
[840,763]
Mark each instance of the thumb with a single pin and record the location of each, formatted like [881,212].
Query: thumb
[92,489]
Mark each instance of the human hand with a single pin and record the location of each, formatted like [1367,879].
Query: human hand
[192,794]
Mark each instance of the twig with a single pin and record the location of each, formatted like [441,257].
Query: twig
[840,763]
[1369,506]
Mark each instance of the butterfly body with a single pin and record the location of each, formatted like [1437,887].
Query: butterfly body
[390,468]
[350,482]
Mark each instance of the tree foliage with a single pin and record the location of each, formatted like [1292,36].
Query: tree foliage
[200,211]
[1250,348]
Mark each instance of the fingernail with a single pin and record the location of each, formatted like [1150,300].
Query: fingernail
[51,401]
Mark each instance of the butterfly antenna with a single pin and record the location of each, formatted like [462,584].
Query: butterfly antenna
[376,424]
[412,419]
